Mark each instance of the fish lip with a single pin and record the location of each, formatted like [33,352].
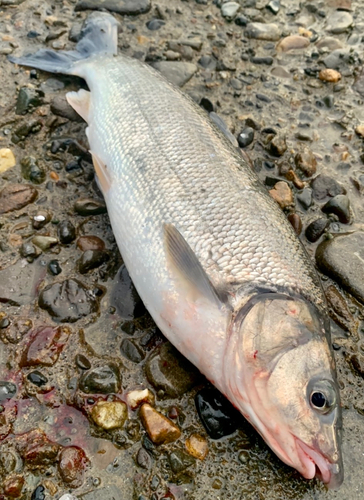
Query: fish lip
[315,463]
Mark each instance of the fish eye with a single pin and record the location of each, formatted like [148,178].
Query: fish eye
[322,396]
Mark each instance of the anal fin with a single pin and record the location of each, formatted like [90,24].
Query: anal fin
[80,102]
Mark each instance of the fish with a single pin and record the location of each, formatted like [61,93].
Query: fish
[212,256]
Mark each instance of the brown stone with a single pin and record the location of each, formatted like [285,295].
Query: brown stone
[306,162]
[360,130]
[282,194]
[197,446]
[159,428]
[293,177]
[85,243]
[36,449]
[16,196]
[109,414]
[13,485]
[329,75]
[72,464]
[293,42]
[296,223]
[45,346]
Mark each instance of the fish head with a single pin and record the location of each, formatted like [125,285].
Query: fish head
[280,373]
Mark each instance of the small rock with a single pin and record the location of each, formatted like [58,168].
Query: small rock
[176,72]
[340,206]
[262,31]
[159,428]
[229,10]
[131,306]
[82,362]
[60,107]
[278,145]
[44,242]
[36,449]
[31,170]
[45,346]
[306,162]
[168,370]
[7,159]
[357,363]
[54,268]
[91,259]
[71,466]
[29,252]
[109,414]
[268,60]
[359,130]
[85,243]
[293,177]
[123,7]
[89,206]
[7,462]
[329,75]
[296,222]
[13,485]
[66,232]
[348,272]
[324,186]
[208,62]
[339,59]
[155,24]
[31,126]
[329,44]
[339,21]
[282,194]
[68,301]
[28,98]
[101,380]
[207,105]
[41,219]
[305,198]
[246,137]
[218,416]
[241,20]
[316,229]
[143,459]
[7,390]
[293,42]
[197,446]
[280,72]
[16,196]
[37,378]
[130,349]
[180,461]
[274,6]
[139,396]
[38,493]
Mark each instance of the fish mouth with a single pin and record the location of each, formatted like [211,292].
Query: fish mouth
[315,464]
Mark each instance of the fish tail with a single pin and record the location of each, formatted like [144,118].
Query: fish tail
[99,35]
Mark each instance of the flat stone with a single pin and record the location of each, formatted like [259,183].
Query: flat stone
[28,98]
[124,7]
[109,414]
[60,107]
[339,21]
[159,428]
[7,159]
[16,196]
[180,461]
[176,72]
[329,43]
[101,380]
[44,347]
[324,186]
[197,446]
[229,10]
[338,59]
[7,390]
[282,194]
[262,31]
[132,351]
[90,206]
[44,242]
[293,42]
[278,145]
[342,259]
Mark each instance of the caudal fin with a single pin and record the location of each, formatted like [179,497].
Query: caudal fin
[99,34]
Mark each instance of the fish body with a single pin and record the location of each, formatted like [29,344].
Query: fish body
[212,256]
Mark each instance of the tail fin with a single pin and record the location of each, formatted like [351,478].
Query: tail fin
[99,34]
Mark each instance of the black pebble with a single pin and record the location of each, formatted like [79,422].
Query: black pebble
[7,390]
[54,267]
[316,229]
[132,351]
[91,259]
[66,232]
[241,21]
[246,137]
[206,104]
[82,362]
[340,206]
[37,379]
[38,493]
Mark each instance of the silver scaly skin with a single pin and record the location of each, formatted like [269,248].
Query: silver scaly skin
[212,256]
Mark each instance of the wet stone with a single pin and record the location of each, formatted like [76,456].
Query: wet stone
[71,466]
[296,222]
[91,259]
[101,380]
[293,42]
[82,362]
[38,493]
[41,219]
[262,31]
[13,485]
[29,252]
[45,346]
[66,232]
[54,267]
[124,7]
[324,186]
[37,378]
[16,196]
[278,145]
[340,206]
[68,301]
[130,349]
[180,461]
[60,107]
[306,162]
[329,75]
[168,370]
[241,20]
[339,22]
[229,10]
[217,415]
[305,198]
[89,206]
[28,98]
[268,60]
[7,390]
[44,242]
[31,126]
[143,459]
[159,428]
[131,306]
[85,243]
[316,229]
[109,414]
[282,194]
[137,397]
[341,258]
[176,72]
[155,24]
[197,446]
[246,137]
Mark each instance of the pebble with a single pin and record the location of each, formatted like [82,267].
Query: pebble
[131,350]
[29,252]
[324,186]
[338,59]
[306,162]
[7,159]
[340,206]
[41,219]
[13,485]
[60,107]
[32,171]
[71,466]
[143,459]
[16,196]
[104,379]
[217,415]
[159,428]
[278,145]
[274,6]
[38,493]
[246,137]
[7,462]
[54,267]
[180,461]
[176,72]
[37,378]
[28,98]
[329,44]
[262,31]
[7,390]
[91,259]
[296,222]
[282,194]
[305,198]
[316,229]
[339,22]
[293,177]
[208,62]
[85,243]
[139,396]
[329,75]
[90,206]
[341,258]
[44,242]
[168,370]
[268,60]
[68,301]
[293,42]
[45,346]
[66,232]
[155,24]
[241,20]
[280,72]
[229,10]
[359,130]
[124,7]
[82,362]
[109,414]
[197,446]
[36,449]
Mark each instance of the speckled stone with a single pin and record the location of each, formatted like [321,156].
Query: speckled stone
[197,446]
[109,414]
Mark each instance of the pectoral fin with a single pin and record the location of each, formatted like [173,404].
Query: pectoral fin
[188,268]
[80,102]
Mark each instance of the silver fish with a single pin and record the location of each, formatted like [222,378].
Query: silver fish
[212,256]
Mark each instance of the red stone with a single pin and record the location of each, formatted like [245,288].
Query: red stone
[36,449]
[85,243]
[13,485]
[72,464]
[44,348]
